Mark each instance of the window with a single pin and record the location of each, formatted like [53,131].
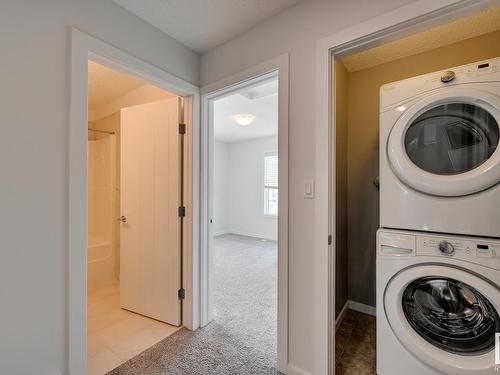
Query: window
[271,184]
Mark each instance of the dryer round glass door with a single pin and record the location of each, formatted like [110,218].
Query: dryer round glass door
[445,316]
[446,144]
[452,138]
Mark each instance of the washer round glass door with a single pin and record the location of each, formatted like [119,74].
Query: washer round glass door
[451,315]
[446,144]
[445,316]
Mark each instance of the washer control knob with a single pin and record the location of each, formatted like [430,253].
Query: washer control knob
[448,76]
[446,248]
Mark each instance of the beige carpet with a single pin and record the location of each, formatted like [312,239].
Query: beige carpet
[242,338]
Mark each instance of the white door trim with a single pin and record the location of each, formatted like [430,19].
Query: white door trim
[400,22]
[83,48]
[277,67]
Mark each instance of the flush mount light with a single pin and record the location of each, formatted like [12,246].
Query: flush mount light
[244,118]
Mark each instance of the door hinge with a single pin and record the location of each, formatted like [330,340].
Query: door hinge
[182,293]
[182,211]
[182,128]
[330,239]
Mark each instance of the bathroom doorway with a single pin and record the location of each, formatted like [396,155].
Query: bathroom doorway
[135,163]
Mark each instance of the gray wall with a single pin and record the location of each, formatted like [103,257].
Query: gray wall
[341,266]
[34,106]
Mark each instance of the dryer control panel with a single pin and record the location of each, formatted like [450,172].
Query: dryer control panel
[392,94]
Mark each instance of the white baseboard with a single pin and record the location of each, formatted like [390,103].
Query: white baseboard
[221,232]
[361,307]
[341,316]
[292,370]
[247,234]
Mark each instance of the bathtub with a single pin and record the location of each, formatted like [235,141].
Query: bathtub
[99,261]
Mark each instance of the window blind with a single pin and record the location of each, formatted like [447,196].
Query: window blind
[271,170]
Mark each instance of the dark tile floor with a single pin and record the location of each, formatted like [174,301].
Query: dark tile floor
[355,351]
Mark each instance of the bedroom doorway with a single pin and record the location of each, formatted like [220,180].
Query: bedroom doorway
[245,217]
[244,260]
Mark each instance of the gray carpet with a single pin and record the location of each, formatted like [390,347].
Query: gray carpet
[242,338]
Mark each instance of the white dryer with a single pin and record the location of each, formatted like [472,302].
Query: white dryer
[439,154]
[438,304]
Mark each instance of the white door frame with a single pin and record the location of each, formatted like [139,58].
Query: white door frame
[416,16]
[275,67]
[84,48]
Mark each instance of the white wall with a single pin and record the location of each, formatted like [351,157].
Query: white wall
[296,31]
[239,188]
[34,108]
[221,188]
[246,188]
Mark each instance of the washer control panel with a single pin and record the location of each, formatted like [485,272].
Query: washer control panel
[475,250]
[446,248]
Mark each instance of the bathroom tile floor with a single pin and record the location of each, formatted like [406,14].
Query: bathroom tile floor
[116,335]
[355,350]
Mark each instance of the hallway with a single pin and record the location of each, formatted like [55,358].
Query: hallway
[242,337]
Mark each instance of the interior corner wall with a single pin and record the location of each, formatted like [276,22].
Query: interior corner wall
[239,188]
[341,296]
[146,93]
[35,100]
[246,189]
[296,31]
[221,188]
[363,147]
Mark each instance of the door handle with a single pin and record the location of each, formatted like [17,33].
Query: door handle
[122,219]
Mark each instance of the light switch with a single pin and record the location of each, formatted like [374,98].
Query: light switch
[309,189]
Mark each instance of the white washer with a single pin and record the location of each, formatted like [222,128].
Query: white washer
[439,160]
[438,303]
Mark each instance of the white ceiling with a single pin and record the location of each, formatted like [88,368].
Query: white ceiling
[106,84]
[260,101]
[204,24]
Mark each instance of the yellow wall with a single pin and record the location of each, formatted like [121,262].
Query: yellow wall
[362,150]
[144,94]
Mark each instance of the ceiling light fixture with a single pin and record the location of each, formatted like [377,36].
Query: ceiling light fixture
[244,119]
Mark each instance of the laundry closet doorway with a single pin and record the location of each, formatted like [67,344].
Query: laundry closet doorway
[356,79]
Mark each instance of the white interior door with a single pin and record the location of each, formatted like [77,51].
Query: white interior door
[150,191]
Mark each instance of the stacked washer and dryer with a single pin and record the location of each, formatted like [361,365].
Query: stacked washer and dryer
[438,249]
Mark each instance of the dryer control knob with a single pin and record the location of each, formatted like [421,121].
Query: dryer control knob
[446,248]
